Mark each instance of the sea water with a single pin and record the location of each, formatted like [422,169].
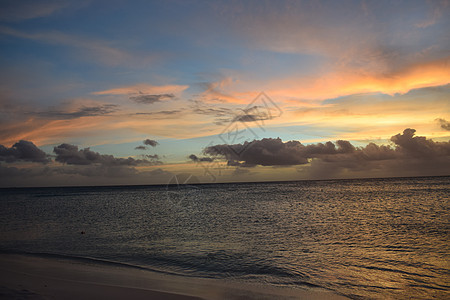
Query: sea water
[362,238]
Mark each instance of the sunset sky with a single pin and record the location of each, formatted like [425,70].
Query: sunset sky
[135,92]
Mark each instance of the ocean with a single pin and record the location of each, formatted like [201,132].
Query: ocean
[362,238]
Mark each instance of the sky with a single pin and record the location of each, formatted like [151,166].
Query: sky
[156,92]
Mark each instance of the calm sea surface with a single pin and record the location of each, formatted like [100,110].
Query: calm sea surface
[370,238]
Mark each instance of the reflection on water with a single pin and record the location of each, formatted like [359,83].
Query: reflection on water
[378,238]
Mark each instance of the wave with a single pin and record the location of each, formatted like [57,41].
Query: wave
[89,260]
[190,267]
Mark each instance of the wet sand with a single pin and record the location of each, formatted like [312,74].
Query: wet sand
[34,277]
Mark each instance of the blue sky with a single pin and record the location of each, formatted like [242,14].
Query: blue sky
[109,74]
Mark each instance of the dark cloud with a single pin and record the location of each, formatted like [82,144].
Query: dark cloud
[69,154]
[225,115]
[85,111]
[140,148]
[371,152]
[163,113]
[249,118]
[222,115]
[419,146]
[150,142]
[195,158]
[275,152]
[213,111]
[80,167]
[253,114]
[150,99]
[23,151]
[444,123]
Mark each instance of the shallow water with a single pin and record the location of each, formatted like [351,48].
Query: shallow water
[368,238]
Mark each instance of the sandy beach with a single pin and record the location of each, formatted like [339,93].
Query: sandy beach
[33,277]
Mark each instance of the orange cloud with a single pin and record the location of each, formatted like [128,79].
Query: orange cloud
[305,91]
[349,82]
[144,89]
[44,131]
[219,91]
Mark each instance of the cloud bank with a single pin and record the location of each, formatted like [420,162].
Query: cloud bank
[69,154]
[24,164]
[23,151]
[195,158]
[408,152]
[73,166]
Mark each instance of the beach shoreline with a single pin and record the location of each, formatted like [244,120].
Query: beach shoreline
[34,277]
